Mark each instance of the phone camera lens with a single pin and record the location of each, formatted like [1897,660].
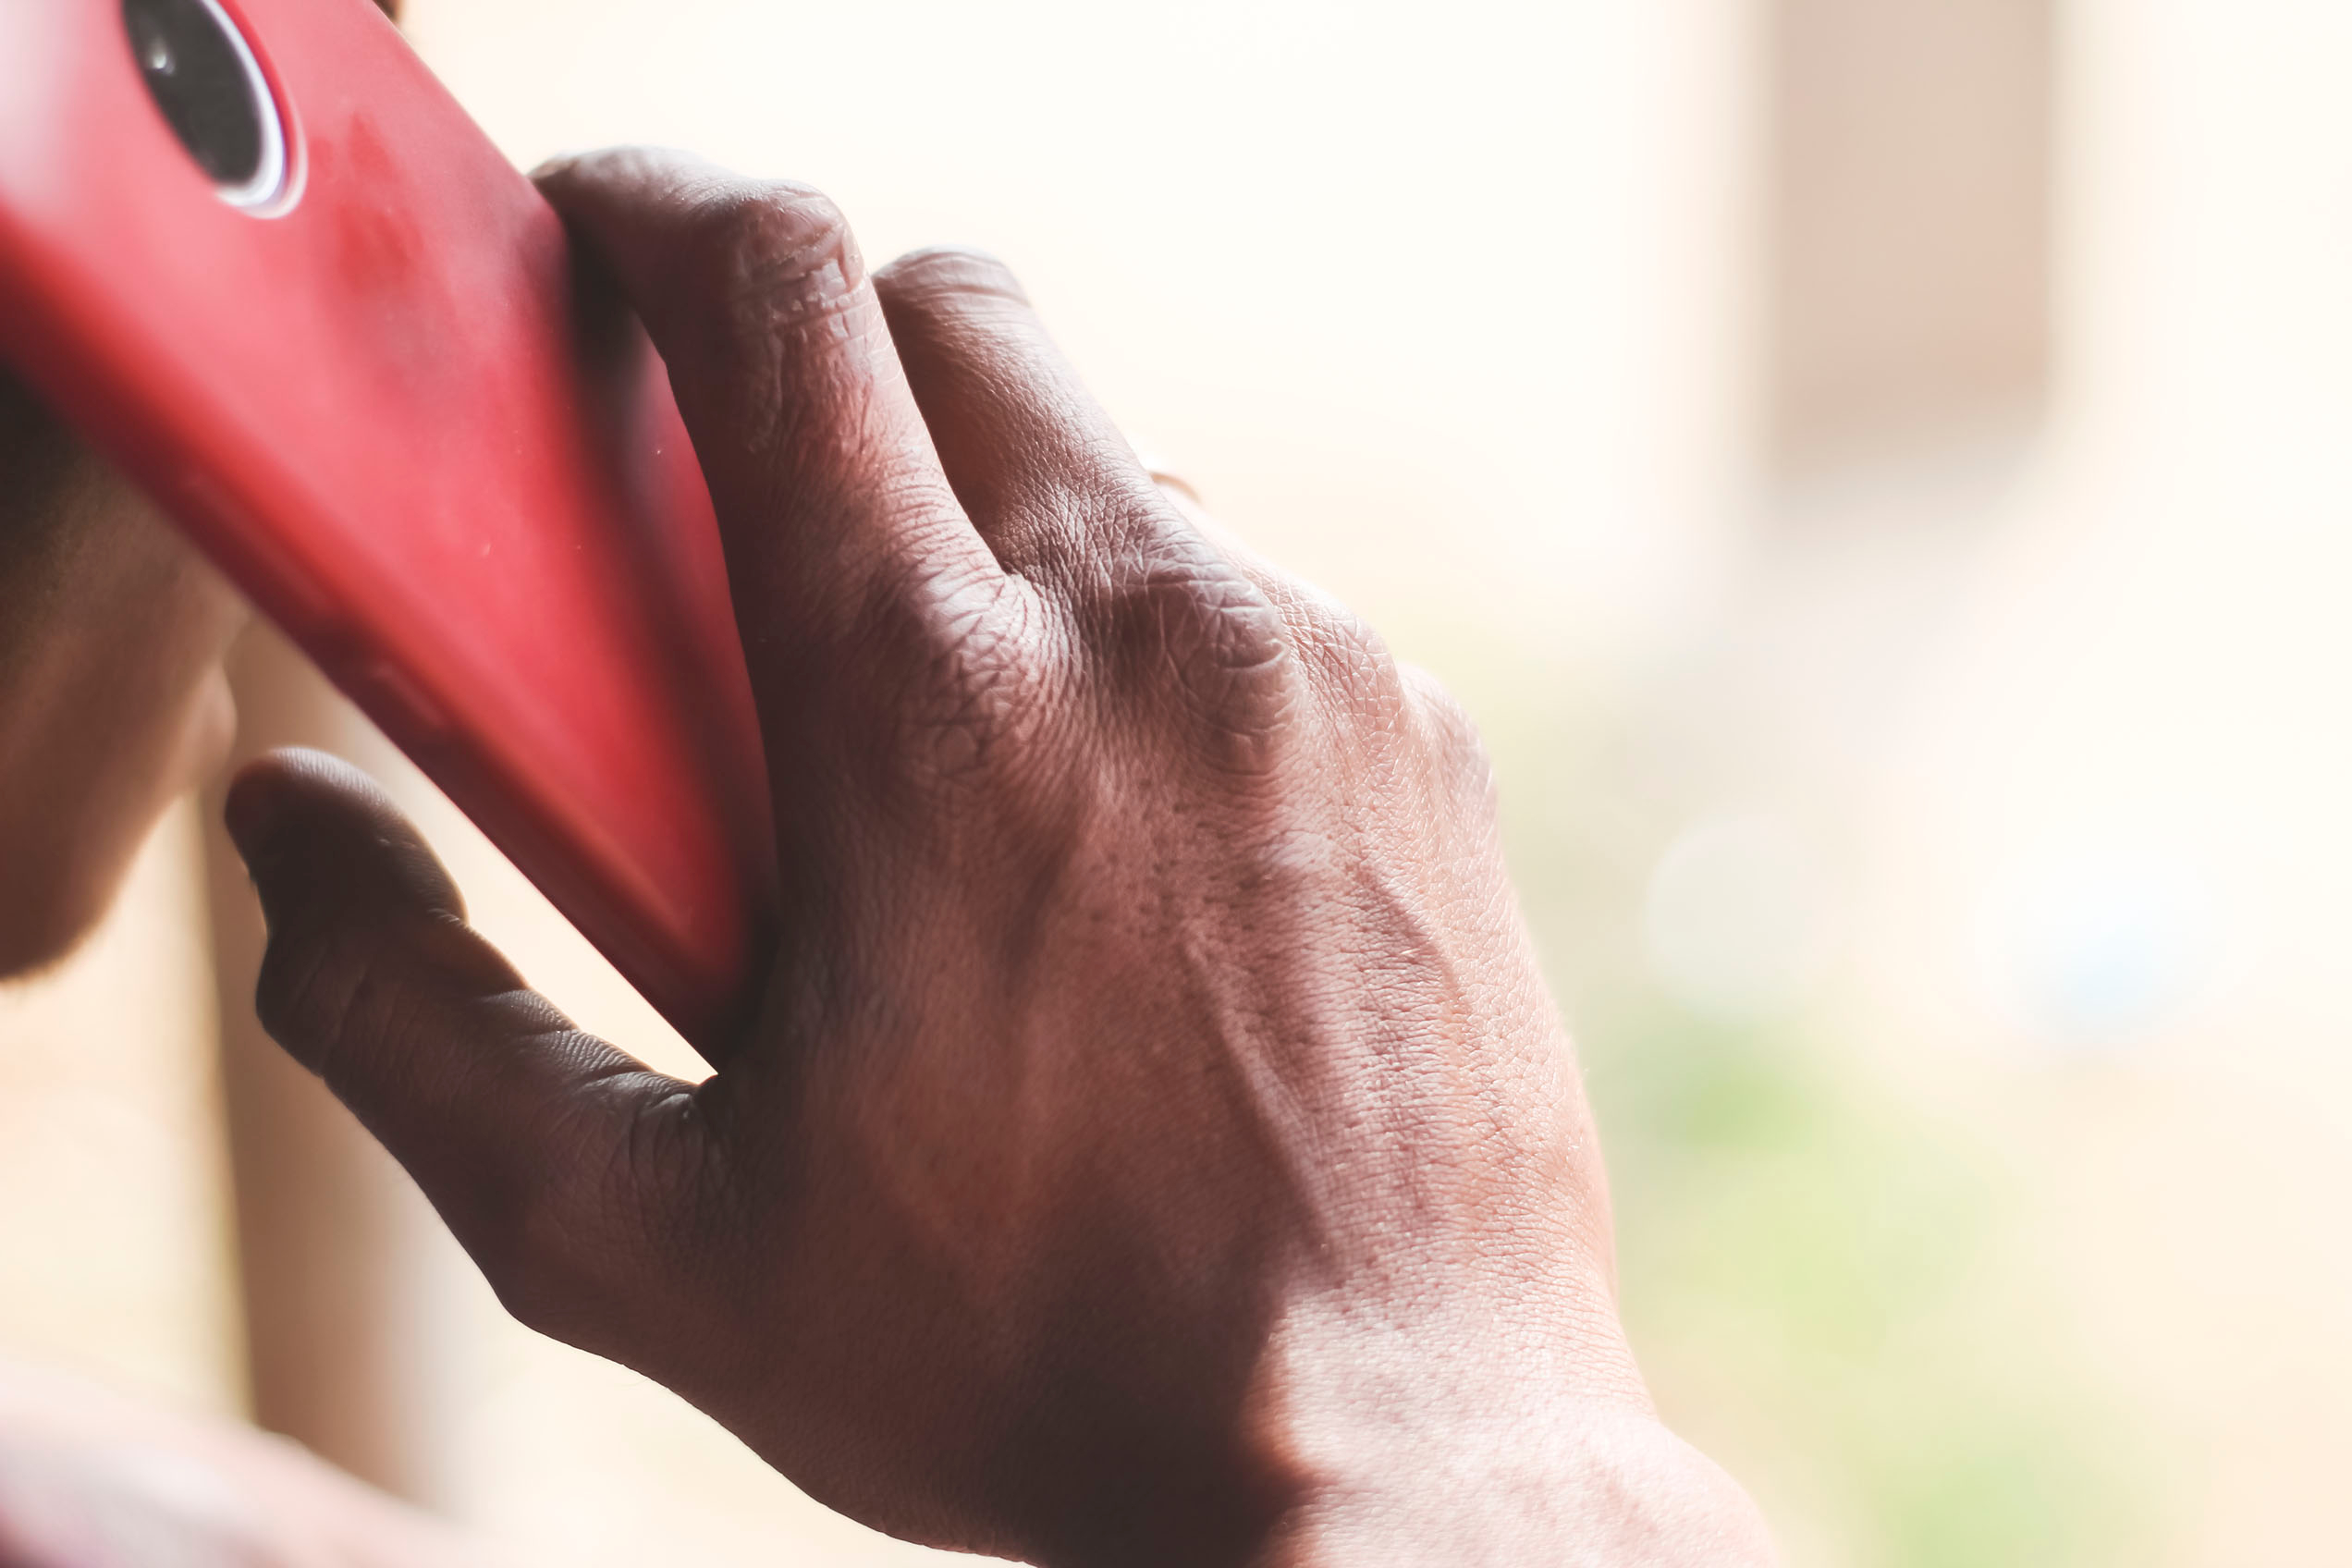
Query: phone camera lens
[209,89]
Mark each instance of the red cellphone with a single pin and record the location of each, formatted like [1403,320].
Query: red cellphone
[256,253]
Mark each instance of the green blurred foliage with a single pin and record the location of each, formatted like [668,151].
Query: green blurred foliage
[1815,1271]
[1812,1273]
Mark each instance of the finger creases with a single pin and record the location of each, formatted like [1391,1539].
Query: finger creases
[513,1123]
[1042,471]
[836,515]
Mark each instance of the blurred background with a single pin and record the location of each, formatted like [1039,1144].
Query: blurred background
[1877,469]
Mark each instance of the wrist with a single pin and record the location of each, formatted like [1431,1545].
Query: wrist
[1507,1444]
[1604,1488]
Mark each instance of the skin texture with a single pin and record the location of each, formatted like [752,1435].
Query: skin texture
[1157,1144]
[113,703]
[112,699]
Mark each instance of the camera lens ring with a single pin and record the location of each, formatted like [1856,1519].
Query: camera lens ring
[209,86]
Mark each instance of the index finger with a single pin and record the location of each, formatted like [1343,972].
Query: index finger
[836,518]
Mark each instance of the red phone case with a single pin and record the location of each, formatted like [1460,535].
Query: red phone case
[391,411]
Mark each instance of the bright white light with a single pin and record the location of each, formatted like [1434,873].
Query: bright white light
[265,192]
[2100,946]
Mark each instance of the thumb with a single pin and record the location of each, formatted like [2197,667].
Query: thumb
[551,1155]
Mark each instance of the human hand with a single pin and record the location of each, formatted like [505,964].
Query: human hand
[1156,1143]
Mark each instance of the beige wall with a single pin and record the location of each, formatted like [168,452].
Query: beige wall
[1907,189]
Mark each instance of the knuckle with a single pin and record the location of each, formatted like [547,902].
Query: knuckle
[1452,734]
[343,995]
[285,996]
[969,680]
[558,1246]
[1439,709]
[944,273]
[317,992]
[779,255]
[1348,657]
[1194,618]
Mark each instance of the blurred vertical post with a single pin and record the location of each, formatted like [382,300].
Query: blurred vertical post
[336,1247]
[1909,190]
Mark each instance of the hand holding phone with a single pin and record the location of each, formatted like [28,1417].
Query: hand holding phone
[260,258]
[1159,1145]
